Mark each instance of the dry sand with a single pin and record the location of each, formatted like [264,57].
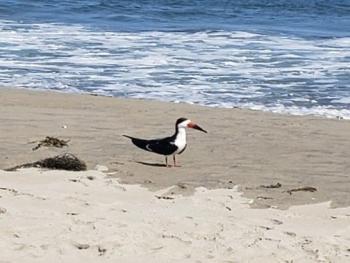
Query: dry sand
[55,216]
[140,211]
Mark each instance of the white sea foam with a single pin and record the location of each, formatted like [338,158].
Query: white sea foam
[223,69]
[345,100]
[322,111]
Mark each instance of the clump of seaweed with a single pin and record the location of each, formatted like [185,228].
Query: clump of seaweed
[65,161]
[271,186]
[51,142]
[305,189]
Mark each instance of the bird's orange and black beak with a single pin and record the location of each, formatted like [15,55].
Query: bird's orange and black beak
[195,126]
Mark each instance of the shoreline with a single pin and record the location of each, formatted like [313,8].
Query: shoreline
[256,108]
[253,149]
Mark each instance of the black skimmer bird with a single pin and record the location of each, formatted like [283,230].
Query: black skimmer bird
[175,144]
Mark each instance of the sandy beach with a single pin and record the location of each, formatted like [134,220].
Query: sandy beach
[243,147]
[56,216]
[129,207]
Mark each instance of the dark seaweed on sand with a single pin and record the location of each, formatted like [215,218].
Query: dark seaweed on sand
[65,161]
[51,142]
[305,189]
[278,185]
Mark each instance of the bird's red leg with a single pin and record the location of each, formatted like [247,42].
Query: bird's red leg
[174,158]
[166,161]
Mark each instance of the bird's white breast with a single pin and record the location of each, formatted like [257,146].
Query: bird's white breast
[180,140]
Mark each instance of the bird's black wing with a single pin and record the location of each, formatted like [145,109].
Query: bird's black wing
[161,146]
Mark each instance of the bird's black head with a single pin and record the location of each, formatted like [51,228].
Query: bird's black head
[180,120]
[186,123]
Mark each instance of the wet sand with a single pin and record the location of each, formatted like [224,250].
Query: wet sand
[247,148]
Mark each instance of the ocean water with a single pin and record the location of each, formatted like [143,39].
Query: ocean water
[283,56]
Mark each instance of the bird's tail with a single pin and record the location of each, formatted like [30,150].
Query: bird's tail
[141,143]
[127,136]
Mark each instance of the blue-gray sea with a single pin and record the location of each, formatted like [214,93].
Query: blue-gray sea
[287,56]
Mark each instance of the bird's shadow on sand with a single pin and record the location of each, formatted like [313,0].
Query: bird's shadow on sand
[152,164]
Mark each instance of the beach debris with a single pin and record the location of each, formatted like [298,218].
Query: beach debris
[51,142]
[263,197]
[78,181]
[66,161]
[157,248]
[277,222]
[72,214]
[164,197]
[292,234]
[74,180]
[271,186]
[81,246]
[101,250]
[182,185]
[304,189]
[14,191]
[266,227]
[117,163]
[2,210]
